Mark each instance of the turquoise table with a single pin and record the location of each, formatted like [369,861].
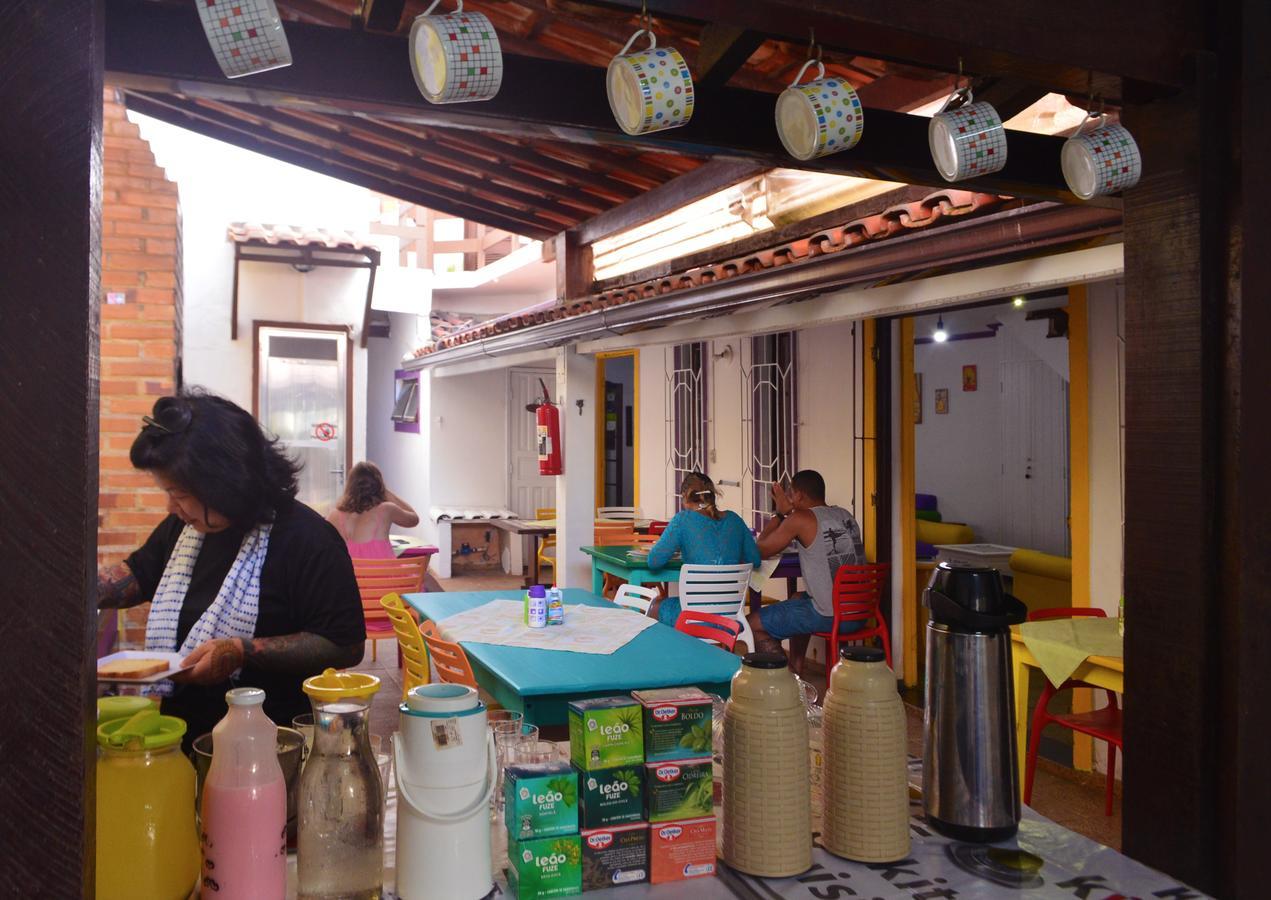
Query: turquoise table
[540,683]
[614,561]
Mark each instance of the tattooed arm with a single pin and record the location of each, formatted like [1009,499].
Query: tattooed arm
[117,587]
[302,653]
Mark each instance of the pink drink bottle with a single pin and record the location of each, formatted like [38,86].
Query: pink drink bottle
[244,810]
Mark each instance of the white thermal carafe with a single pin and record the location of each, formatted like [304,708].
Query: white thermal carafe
[446,770]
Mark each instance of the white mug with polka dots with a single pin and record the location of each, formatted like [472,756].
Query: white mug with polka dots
[966,140]
[651,89]
[1103,160]
[818,118]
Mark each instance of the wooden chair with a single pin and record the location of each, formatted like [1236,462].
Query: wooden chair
[618,513]
[646,541]
[410,643]
[858,597]
[378,577]
[546,560]
[719,590]
[636,597]
[614,534]
[721,630]
[1103,724]
[447,657]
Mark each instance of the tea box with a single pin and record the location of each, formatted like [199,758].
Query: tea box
[540,800]
[680,850]
[677,723]
[545,867]
[682,789]
[614,856]
[610,797]
[605,732]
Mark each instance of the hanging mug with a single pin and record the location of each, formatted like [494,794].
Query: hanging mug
[455,57]
[818,118]
[246,36]
[649,90]
[1103,160]
[968,140]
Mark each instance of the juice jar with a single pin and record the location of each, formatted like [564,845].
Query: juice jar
[147,838]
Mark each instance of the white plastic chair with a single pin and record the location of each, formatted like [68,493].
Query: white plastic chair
[720,590]
[636,597]
[618,513]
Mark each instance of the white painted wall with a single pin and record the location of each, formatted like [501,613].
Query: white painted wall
[468,424]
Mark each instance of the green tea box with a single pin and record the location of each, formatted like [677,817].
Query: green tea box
[681,789]
[610,797]
[540,800]
[615,856]
[605,732]
[545,867]
[677,723]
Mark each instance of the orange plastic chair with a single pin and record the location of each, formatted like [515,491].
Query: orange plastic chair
[447,657]
[410,643]
[1102,724]
[378,577]
[858,597]
[713,629]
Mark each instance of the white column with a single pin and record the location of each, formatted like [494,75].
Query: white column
[576,488]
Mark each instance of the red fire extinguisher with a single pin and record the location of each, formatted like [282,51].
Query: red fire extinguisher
[547,416]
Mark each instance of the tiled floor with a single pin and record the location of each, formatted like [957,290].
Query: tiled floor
[1073,799]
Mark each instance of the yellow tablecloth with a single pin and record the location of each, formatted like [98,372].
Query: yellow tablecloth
[1061,645]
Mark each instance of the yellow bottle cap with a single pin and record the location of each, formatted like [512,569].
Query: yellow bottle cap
[333,685]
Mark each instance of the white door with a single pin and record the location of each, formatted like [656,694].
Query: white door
[1035,493]
[527,489]
[302,397]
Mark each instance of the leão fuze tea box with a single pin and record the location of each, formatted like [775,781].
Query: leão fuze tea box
[610,796]
[677,723]
[540,800]
[605,732]
[545,867]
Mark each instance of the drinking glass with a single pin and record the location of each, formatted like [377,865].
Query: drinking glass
[534,751]
[304,724]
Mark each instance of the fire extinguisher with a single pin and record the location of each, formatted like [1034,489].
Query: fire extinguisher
[547,417]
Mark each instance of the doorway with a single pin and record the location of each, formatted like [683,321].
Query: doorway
[302,393]
[617,428]
[528,491]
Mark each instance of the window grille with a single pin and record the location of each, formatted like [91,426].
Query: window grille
[769,405]
[686,415]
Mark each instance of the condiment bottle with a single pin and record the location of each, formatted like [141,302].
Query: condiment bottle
[245,805]
[767,808]
[340,801]
[536,607]
[147,839]
[866,784]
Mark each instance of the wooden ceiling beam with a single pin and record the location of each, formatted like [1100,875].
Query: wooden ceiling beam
[382,15]
[1053,45]
[334,165]
[723,50]
[151,46]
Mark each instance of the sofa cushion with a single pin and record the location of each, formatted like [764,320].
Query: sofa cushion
[945,532]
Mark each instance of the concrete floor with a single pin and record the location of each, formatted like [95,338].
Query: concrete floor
[1073,799]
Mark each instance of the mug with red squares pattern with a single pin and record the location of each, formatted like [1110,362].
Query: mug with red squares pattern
[455,57]
[966,138]
[1101,161]
[246,36]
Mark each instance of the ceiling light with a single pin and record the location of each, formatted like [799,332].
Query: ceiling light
[455,57]
[940,335]
[1017,302]
[246,36]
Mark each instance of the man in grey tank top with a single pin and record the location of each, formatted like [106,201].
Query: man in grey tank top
[826,537]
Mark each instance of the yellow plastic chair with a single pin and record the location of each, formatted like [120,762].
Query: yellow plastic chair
[409,641]
[546,560]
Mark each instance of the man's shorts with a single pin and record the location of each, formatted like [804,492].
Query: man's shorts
[798,616]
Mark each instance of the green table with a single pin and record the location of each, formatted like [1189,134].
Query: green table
[614,560]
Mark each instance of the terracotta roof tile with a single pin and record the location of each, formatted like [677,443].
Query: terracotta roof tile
[297,236]
[931,211]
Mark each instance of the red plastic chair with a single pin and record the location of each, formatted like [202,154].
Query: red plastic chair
[858,597]
[1104,724]
[722,630]
[656,527]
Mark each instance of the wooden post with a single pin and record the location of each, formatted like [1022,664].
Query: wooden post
[50,253]
[574,269]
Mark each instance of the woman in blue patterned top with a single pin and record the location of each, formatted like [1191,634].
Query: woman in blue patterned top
[702,534]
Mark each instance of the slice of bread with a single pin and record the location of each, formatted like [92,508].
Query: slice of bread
[132,668]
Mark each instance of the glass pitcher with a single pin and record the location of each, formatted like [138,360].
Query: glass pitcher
[340,841]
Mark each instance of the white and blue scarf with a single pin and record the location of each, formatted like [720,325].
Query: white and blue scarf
[232,614]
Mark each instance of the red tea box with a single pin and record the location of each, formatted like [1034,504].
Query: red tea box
[681,850]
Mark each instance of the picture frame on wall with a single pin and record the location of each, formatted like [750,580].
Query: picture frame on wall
[969,378]
[917,398]
[942,401]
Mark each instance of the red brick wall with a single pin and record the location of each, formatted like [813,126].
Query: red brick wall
[140,338]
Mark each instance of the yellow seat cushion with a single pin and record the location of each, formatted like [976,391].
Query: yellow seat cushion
[1042,581]
[945,532]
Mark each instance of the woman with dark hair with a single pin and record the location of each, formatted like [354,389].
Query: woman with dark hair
[703,535]
[367,511]
[251,586]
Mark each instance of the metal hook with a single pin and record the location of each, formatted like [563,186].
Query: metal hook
[646,20]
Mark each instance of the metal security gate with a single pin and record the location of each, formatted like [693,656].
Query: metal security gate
[685,415]
[769,415]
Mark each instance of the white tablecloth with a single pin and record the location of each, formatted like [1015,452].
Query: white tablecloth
[587,629]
